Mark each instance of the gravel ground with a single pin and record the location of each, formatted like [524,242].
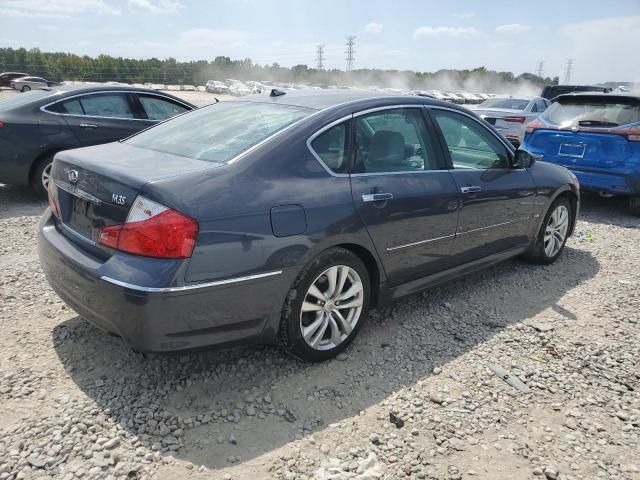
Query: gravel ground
[415,396]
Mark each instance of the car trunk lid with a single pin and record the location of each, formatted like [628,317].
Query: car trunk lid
[96,186]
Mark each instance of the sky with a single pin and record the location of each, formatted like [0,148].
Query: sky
[422,35]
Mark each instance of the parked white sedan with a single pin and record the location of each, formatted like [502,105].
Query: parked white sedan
[25,84]
[510,115]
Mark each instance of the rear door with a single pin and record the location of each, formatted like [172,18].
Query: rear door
[497,200]
[403,192]
[103,117]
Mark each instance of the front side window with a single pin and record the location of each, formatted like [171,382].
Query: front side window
[470,145]
[221,131]
[114,105]
[331,147]
[393,141]
[159,108]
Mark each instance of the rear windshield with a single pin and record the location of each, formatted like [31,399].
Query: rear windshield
[593,112]
[219,132]
[509,103]
[18,100]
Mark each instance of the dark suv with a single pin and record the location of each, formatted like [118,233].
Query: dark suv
[552,91]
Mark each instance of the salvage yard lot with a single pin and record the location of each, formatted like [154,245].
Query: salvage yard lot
[78,403]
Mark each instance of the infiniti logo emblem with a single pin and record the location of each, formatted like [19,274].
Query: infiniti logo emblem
[73,176]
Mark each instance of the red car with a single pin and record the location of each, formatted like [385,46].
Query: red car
[6,77]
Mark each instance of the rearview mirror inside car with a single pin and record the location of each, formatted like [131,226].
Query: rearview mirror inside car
[524,159]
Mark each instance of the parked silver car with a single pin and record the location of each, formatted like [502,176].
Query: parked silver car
[216,86]
[510,115]
[237,88]
[25,84]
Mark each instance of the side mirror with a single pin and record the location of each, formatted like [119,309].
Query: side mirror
[524,159]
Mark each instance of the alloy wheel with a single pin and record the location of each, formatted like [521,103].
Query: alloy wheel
[332,307]
[46,176]
[556,231]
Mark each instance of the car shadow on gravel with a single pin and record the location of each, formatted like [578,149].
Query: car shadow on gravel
[217,408]
[607,211]
[19,201]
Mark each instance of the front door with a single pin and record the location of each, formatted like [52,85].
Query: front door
[403,193]
[497,199]
[102,117]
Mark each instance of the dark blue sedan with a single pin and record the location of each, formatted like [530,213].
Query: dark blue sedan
[286,217]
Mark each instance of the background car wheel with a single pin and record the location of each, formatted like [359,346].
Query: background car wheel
[634,206]
[326,306]
[553,233]
[26,88]
[41,175]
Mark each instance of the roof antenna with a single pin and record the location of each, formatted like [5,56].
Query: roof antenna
[276,93]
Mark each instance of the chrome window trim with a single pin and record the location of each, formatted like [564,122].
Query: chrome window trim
[388,107]
[184,288]
[504,142]
[155,94]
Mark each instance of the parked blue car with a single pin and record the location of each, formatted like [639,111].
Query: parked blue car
[597,137]
[287,217]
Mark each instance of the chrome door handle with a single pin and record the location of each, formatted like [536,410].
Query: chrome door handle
[377,197]
[88,125]
[471,189]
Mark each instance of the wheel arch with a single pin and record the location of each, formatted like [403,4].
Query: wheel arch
[50,152]
[572,196]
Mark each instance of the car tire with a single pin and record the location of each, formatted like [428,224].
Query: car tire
[41,174]
[315,324]
[553,233]
[634,206]
[26,88]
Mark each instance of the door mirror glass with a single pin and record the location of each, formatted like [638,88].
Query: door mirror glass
[524,159]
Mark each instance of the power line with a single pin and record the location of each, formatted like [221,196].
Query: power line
[350,51]
[320,57]
[540,68]
[568,71]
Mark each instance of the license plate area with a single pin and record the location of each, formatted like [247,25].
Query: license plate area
[572,150]
[80,219]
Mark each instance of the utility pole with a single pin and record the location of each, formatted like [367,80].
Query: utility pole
[350,51]
[320,57]
[568,71]
[540,68]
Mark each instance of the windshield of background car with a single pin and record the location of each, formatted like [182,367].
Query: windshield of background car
[509,103]
[593,111]
[16,101]
[219,132]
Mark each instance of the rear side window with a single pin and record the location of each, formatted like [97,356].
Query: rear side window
[71,107]
[392,141]
[593,112]
[159,108]
[331,147]
[113,105]
[541,106]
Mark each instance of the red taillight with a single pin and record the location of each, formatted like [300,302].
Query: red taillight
[632,133]
[152,230]
[1,125]
[535,125]
[53,200]
[515,119]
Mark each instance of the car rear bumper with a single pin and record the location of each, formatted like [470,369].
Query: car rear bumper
[607,182]
[154,319]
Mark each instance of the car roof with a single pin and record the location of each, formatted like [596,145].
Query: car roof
[624,95]
[325,99]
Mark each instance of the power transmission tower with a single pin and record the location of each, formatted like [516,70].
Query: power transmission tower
[540,69]
[320,57]
[350,51]
[568,71]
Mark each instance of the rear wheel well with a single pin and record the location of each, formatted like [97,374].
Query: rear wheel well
[372,267]
[34,165]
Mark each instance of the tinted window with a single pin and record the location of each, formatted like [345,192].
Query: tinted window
[593,111]
[541,105]
[113,105]
[219,132]
[393,141]
[470,145]
[331,147]
[160,109]
[71,107]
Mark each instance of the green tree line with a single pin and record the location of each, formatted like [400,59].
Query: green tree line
[103,68]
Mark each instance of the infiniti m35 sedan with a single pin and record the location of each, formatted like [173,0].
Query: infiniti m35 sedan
[285,217]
